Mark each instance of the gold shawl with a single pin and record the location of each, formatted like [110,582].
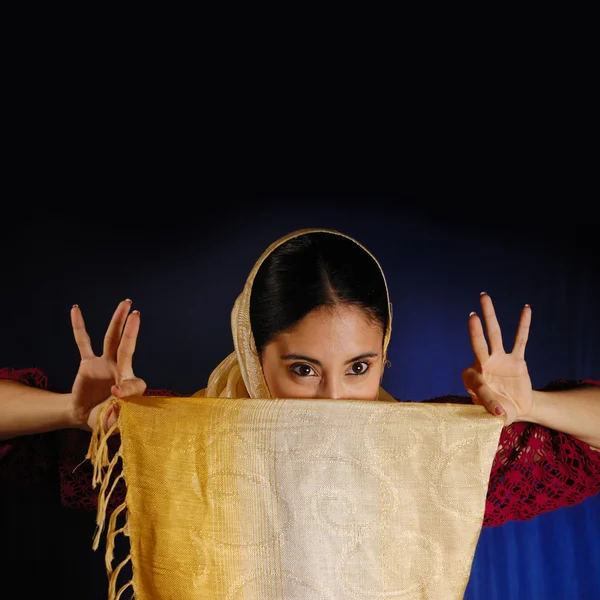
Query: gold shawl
[232,495]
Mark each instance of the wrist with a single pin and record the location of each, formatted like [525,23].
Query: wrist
[73,415]
[535,413]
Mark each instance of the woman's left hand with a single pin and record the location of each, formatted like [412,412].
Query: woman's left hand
[497,380]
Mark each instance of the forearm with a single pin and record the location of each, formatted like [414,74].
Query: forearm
[26,410]
[575,412]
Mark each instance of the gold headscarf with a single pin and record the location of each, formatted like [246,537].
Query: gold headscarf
[240,374]
[232,495]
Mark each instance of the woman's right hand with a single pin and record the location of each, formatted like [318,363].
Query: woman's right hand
[110,375]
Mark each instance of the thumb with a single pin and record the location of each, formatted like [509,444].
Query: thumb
[493,403]
[129,387]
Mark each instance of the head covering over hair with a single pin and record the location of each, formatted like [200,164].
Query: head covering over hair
[240,374]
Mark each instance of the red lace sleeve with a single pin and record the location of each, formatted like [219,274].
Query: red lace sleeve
[32,460]
[537,470]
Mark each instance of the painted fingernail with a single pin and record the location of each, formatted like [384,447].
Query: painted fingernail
[498,411]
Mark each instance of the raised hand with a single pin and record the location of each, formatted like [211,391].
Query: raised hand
[498,380]
[101,378]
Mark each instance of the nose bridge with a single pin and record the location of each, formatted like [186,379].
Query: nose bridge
[332,387]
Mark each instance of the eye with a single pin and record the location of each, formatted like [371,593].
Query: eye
[358,368]
[302,370]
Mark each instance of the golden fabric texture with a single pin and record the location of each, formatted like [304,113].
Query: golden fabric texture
[232,495]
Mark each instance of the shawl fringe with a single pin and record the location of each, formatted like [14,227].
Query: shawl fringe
[106,476]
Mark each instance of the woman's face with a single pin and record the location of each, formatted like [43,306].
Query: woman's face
[333,352]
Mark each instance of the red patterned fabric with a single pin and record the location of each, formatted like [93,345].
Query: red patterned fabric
[35,460]
[535,470]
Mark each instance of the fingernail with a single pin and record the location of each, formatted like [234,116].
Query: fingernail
[482,293]
[471,313]
[527,305]
[135,312]
[128,300]
[498,411]
[75,306]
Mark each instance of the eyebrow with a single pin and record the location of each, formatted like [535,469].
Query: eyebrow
[318,362]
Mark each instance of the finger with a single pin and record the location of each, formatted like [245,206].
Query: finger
[492,327]
[522,334]
[82,339]
[488,399]
[478,341]
[127,345]
[472,378]
[474,397]
[115,329]
[112,416]
[129,387]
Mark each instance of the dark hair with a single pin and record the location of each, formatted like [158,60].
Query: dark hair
[309,271]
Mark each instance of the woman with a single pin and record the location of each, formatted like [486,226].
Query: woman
[319,327]
[320,322]
[314,321]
